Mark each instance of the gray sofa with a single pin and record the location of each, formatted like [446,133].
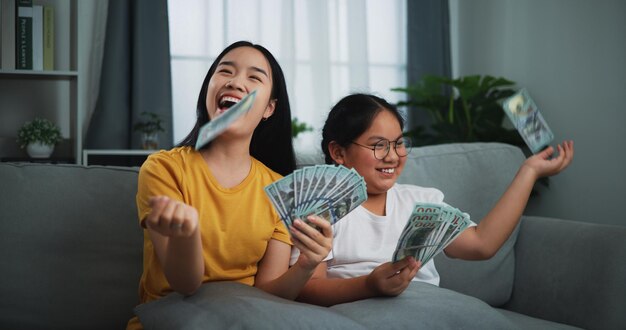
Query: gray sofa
[71,257]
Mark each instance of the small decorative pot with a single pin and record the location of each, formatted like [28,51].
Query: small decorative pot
[39,150]
[150,141]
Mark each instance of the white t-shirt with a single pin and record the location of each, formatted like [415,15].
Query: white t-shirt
[363,241]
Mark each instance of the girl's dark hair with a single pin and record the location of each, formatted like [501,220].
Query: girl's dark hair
[271,141]
[351,117]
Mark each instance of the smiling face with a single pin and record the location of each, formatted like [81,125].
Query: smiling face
[241,71]
[379,174]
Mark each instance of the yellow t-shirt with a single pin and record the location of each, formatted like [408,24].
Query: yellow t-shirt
[236,224]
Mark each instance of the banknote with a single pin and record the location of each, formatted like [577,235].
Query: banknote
[421,212]
[215,127]
[429,229]
[420,234]
[525,116]
[329,191]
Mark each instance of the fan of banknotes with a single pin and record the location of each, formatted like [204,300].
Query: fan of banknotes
[328,191]
[431,227]
[216,126]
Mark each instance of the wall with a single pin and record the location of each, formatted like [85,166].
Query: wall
[571,56]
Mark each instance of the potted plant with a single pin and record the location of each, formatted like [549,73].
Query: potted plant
[149,128]
[466,109]
[39,137]
[299,127]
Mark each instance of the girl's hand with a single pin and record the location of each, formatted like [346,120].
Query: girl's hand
[391,279]
[543,165]
[172,218]
[314,244]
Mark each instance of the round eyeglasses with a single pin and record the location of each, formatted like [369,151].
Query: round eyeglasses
[402,146]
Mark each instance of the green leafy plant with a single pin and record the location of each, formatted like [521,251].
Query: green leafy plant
[38,130]
[150,125]
[299,127]
[466,109]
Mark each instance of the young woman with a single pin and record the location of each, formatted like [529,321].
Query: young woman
[205,214]
[364,132]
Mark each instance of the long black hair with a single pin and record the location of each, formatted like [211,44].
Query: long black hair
[351,117]
[271,141]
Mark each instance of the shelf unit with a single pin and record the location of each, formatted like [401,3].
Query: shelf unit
[134,156]
[54,95]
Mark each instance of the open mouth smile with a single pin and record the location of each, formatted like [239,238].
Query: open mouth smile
[225,102]
[390,170]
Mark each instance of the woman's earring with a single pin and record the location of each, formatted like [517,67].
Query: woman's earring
[265,118]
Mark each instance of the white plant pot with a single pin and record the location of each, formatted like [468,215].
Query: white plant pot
[39,150]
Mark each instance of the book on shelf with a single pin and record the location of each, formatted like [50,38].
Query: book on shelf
[24,35]
[37,37]
[7,25]
[48,38]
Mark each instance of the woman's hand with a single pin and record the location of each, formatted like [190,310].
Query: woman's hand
[172,218]
[176,243]
[314,243]
[391,279]
[542,165]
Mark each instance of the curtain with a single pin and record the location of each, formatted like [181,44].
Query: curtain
[135,75]
[428,45]
[327,49]
[91,49]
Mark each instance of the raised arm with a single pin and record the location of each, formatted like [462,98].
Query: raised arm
[485,239]
[173,229]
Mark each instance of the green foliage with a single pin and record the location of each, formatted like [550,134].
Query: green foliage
[466,109]
[151,124]
[38,130]
[298,127]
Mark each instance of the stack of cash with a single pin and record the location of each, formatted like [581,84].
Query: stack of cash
[328,191]
[431,227]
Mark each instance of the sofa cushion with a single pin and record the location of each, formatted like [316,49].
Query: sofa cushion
[232,305]
[472,177]
[425,306]
[528,322]
[70,246]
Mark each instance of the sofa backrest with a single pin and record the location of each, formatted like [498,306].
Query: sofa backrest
[472,177]
[70,246]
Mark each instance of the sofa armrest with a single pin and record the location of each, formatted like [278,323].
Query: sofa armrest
[571,272]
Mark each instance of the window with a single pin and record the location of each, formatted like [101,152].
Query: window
[327,49]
